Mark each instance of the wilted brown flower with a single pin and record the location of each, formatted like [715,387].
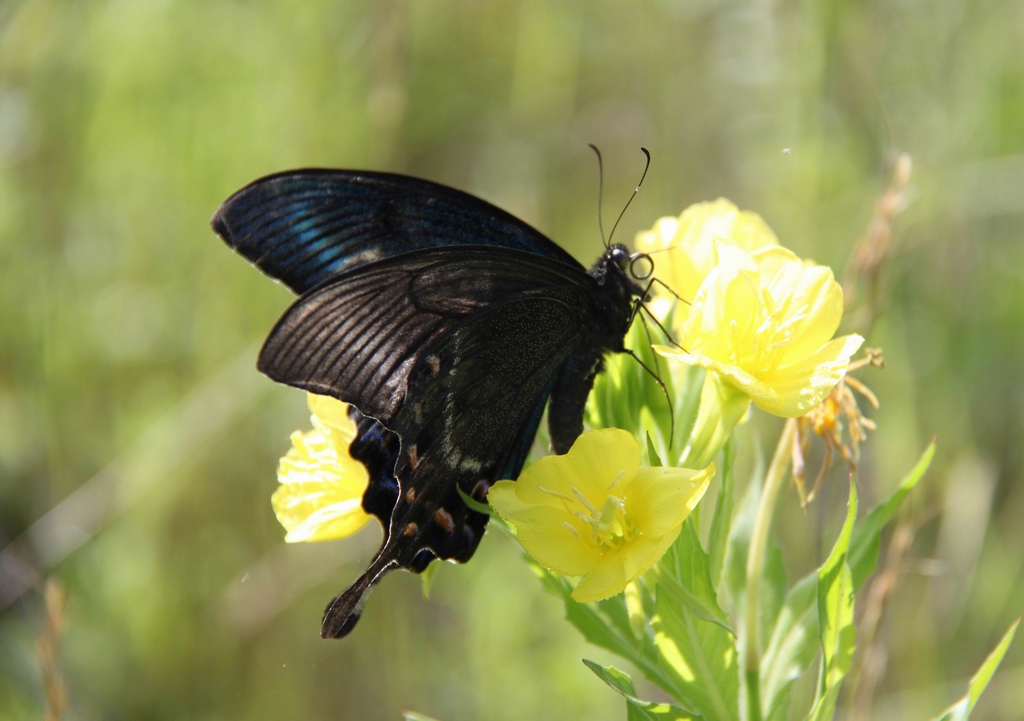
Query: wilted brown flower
[826,420]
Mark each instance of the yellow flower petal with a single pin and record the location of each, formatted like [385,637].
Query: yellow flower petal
[787,392]
[619,569]
[817,294]
[543,526]
[800,387]
[595,460]
[596,512]
[322,486]
[689,242]
[762,322]
[330,417]
[662,497]
[724,314]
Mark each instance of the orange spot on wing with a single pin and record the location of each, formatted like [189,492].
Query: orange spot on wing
[480,489]
[444,520]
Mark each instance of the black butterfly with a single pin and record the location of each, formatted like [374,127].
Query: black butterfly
[446,322]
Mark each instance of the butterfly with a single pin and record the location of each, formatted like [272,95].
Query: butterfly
[447,324]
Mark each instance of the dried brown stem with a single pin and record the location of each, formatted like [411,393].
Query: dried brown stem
[48,648]
[874,247]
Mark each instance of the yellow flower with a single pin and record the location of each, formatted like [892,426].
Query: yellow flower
[595,512]
[763,323]
[683,247]
[321,493]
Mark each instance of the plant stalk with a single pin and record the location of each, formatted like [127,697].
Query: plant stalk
[755,565]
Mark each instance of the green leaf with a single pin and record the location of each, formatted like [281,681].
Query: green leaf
[606,625]
[961,710]
[722,406]
[685,573]
[654,459]
[793,641]
[595,628]
[618,680]
[636,708]
[625,390]
[627,396]
[695,605]
[616,611]
[496,521]
[648,711]
[634,598]
[792,646]
[831,567]
[689,382]
[413,716]
[773,590]
[427,578]
[866,541]
[476,505]
[734,572]
[702,657]
[698,652]
[722,520]
[835,617]
[735,562]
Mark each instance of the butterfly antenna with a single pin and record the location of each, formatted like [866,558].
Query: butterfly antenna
[600,191]
[635,191]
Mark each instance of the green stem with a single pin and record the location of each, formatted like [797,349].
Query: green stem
[753,694]
[755,565]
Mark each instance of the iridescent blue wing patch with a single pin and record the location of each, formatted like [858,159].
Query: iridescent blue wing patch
[304,226]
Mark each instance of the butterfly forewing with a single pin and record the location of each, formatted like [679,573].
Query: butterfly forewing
[305,226]
[358,336]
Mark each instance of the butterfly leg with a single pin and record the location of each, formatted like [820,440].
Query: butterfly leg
[664,389]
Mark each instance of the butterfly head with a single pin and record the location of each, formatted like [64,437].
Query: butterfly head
[637,266]
[618,254]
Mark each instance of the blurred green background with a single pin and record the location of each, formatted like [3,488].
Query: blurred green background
[134,425]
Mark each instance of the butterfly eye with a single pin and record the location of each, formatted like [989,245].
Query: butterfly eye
[619,256]
[641,266]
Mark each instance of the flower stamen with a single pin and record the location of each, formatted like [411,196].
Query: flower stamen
[617,479]
[583,499]
[556,494]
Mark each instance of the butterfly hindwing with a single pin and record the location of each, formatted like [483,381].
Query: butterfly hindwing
[305,226]
[475,401]
[456,359]
[377,448]
[358,336]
